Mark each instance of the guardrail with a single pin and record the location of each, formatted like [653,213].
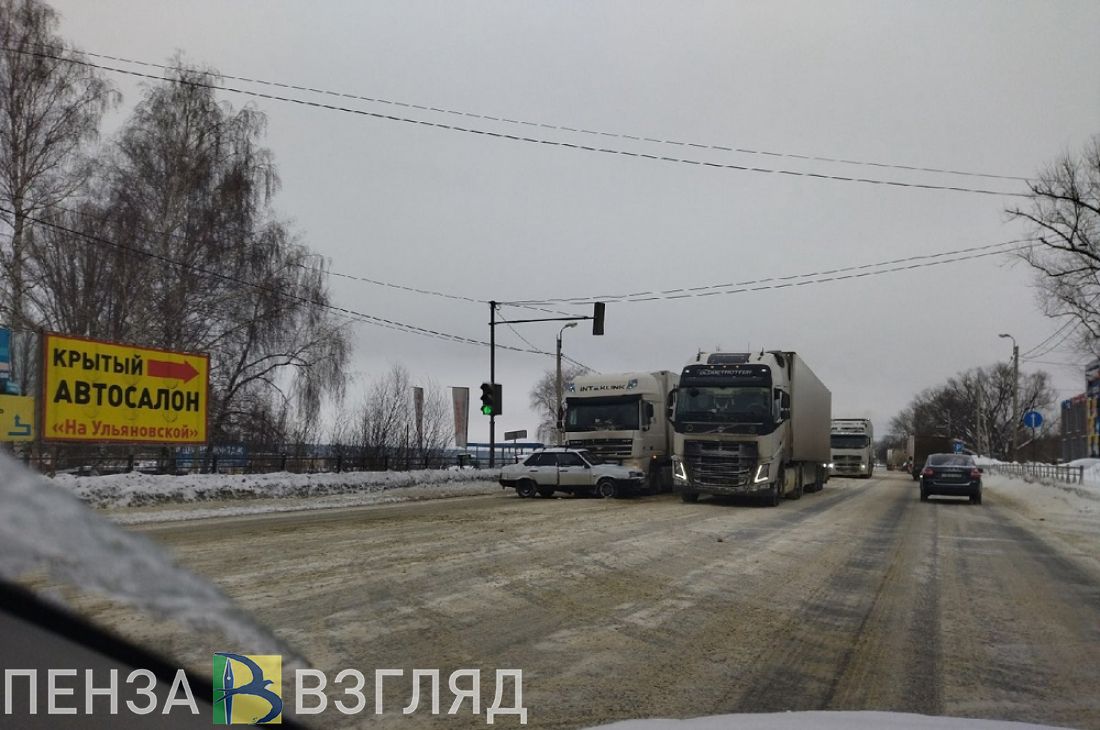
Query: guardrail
[1057,472]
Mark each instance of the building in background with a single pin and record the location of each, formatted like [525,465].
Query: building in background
[1081,419]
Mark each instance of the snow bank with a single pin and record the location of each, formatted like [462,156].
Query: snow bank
[823,721]
[139,490]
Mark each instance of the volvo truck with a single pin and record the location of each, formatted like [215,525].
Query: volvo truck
[750,424]
[620,417]
[853,448]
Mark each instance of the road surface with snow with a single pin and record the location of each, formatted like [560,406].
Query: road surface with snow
[857,598]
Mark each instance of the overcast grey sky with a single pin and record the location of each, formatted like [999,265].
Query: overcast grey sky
[994,87]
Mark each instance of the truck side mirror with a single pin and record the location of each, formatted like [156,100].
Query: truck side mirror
[784,414]
[669,403]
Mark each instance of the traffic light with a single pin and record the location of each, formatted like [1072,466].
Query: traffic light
[597,318]
[490,399]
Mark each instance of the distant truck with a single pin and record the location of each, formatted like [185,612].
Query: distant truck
[620,417]
[750,424]
[896,459]
[853,448]
[921,446]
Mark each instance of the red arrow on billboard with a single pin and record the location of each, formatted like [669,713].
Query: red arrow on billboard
[167,369]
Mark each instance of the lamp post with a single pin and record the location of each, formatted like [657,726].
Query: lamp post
[1015,392]
[557,389]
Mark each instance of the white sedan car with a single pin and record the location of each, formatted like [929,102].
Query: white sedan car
[575,471]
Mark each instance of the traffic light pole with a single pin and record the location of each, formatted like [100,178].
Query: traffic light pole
[597,329]
[492,379]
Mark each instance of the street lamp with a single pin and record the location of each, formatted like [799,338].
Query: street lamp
[557,390]
[1015,392]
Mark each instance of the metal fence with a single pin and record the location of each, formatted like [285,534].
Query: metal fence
[1057,472]
[94,462]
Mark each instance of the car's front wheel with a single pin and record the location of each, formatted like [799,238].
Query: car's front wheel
[526,488]
[606,488]
[976,498]
[923,494]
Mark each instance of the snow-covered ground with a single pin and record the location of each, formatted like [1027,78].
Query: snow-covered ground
[137,498]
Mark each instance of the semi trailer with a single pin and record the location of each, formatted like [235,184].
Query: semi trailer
[750,424]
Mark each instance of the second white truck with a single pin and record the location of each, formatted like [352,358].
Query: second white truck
[853,448]
[620,417]
[750,424]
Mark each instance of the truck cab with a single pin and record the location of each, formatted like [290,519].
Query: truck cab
[852,444]
[750,424]
[620,417]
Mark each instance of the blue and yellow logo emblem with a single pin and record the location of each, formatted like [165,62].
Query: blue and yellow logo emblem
[248,689]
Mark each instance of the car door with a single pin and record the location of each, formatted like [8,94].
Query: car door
[573,471]
[543,469]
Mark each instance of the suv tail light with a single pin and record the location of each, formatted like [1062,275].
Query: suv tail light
[975,473]
[927,472]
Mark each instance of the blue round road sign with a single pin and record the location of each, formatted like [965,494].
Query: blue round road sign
[1033,419]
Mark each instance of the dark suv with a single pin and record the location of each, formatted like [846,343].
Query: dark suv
[951,474]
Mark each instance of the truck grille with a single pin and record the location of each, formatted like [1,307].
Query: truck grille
[719,464]
[605,448]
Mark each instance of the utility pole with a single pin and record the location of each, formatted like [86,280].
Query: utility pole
[1015,393]
[557,389]
[492,379]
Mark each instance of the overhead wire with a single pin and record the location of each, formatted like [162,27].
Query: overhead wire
[524,139]
[565,128]
[349,313]
[818,277]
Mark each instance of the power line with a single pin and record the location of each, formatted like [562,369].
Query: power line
[564,128]
[326,272]
[817,277]
[529,344]
[349,313]
[528,140]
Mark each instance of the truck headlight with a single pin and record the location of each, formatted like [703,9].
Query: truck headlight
[762,473]
[678,470]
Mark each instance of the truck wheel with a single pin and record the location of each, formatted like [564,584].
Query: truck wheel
[546,492]
[689,497]
[526,488]
[606,488]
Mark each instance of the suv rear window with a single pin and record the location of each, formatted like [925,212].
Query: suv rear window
[951,460]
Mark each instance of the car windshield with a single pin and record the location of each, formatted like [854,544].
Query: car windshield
[591,458]
[252,405]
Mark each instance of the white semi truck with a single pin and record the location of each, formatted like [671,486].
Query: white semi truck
[620,417]
[853,448]
[750,424]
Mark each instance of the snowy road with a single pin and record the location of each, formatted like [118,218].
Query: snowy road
[859,597]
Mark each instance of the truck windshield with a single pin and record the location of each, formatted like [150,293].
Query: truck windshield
[724,405]
[602,414]
[848,441]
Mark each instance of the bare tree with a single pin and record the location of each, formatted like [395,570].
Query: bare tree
[975,406]
[544,397]
[50,110]
[1065,217]
[183,229]
[387,429]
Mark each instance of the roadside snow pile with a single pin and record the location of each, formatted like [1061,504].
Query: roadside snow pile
[140,490]
[1092,470]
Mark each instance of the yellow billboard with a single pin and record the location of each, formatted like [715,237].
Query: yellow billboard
[107,392]
[16,418]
